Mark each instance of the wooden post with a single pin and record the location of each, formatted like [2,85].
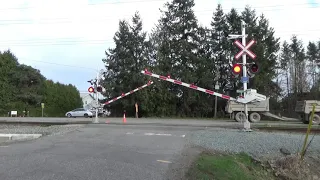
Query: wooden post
[136,105]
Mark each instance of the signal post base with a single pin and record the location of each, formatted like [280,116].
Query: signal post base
[247,130]
[95,121]
[247,127]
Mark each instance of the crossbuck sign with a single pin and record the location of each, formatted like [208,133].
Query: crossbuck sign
[245,49]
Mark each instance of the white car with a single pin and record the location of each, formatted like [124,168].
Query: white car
[79,112]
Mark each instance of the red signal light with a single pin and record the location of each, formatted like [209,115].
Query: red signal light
[90,89]
[99,89]
[236,69]
[253,69]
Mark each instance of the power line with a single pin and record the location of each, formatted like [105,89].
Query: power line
[98,19]
[73,66]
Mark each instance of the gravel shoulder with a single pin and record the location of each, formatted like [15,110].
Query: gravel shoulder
[266,147]
[257,144]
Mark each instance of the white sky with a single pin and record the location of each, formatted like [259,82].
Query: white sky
[66,39]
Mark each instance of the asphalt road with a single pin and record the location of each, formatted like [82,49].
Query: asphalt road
[97,152]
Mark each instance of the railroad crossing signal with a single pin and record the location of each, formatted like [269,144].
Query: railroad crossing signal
[253,69]
[247,72]
[245,49]
[99,89]
[90,89]
[236,69]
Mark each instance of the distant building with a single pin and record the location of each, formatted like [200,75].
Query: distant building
[87,100]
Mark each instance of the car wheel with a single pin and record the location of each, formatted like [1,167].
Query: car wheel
[86,115]
[69,115]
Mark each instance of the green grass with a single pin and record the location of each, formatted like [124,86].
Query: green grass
[227,167]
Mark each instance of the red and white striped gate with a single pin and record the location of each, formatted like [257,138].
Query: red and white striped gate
[131,92]
[191,86]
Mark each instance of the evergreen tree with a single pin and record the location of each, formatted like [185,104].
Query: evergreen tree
[285,61]
[266,50]
[249,16]
[178,53]
[233,19]
[299,66]
[25,88]
[29,84]
[313,56]
[8,67]
[220,45]
[203,107]
[59,99]
[124,64]
[220,53]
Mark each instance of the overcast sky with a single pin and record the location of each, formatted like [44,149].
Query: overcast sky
[66,39]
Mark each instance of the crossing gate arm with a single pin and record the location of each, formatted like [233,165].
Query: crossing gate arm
[128,93]
[191,86]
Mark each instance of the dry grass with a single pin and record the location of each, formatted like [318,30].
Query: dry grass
[293,168]
[214,165]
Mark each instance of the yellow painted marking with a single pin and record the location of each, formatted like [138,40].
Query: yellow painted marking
[163,161]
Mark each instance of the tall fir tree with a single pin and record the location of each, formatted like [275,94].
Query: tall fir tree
[298,70]
[313,56]
[266,49]
[233,19]
[177,53]
[124,64]
[220,45]
[284,63]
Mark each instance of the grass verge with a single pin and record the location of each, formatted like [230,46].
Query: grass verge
[225,166]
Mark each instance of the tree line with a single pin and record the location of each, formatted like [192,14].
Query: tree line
[25,88]
[180,47]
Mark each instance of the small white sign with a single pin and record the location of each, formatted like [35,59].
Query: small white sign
[15,113]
